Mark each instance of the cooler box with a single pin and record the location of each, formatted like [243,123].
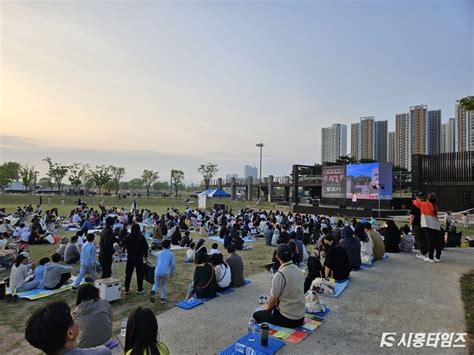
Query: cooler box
[109,288]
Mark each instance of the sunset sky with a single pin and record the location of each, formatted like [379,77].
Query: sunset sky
[162,85]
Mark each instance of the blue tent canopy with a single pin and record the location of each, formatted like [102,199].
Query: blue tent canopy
[215,193]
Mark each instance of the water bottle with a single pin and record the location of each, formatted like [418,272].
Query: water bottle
[243,349]
[252,329]
[264,336]
[123,328]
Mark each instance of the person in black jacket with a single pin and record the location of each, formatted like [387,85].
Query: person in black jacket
[106,244]
[137,250]
[392,237]
[337,261]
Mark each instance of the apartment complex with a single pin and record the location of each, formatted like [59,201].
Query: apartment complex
[391,147]
[464,129]
[369,139]
[448,136]
[250,171]
[333,142]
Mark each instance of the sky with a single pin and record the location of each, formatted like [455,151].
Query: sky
[161,85]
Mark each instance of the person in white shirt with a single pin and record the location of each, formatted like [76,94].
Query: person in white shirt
[222,270]
[76,218]
[190,253]
[20,276]
[214,249]
[3,242]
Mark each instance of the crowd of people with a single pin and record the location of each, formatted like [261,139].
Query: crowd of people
[324,248]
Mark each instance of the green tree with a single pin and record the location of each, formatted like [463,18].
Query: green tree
[77,174]
[46,182]
[467,103]
[124,185]
[118,173]
[346,159]
[9,171]
[208,171]
[89,182]
[367,160]
[136,184]
[101,176]
[149,177]
[27,174]
[56,172]
[178,177]
[161,186]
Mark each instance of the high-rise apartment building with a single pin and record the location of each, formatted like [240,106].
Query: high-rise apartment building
[367,137]
[333,142]
[464,129]
[448,136]
[250,171]
[403,140]
[380,141]
[418,118]
[391,147]
[433,132]
[355,141]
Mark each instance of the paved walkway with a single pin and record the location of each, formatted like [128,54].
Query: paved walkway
[401,294]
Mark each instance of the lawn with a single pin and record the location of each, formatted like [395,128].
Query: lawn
[467,290]
[13,316]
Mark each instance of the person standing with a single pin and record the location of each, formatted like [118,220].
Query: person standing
[286,306]
[106,245]
[137,250]
[431,227]
[354,201]
[164,268]
[88,261]
[415,223]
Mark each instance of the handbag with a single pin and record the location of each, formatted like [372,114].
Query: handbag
[149,273]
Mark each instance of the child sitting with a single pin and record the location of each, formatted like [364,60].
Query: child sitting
[189,258]
[62,247]
[214,249]
[186,241]
[407,240]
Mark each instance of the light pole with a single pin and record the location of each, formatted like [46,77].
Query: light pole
[260,145]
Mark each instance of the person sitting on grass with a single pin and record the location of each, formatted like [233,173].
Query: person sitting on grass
[92,313]
[315,269]
[204,281]
[190,253]
[407,240]
[366,244]
[223,272]
[236,267]
[20,276]
[142,334]
[39,271]
[72,254]
[53,330]
[186,241]
[286,306]
[164,268]
[337,262]
[214,249]
[56,275]
[88,261]
[352,247]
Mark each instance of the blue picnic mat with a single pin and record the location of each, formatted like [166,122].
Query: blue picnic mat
[319,314]
[205,299]
[221,240]
[340,287]
[226,291]
[247,282]
[273,345]
[186,304]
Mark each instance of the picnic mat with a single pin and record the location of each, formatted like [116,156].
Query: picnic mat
[273,345]
[319,314]
[221,240]
[296,335]
[40,293]
[368,266]
[188,304]
[226,291]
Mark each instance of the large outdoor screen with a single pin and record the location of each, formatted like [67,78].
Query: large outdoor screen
[334,182]
[363,180]
[366,181]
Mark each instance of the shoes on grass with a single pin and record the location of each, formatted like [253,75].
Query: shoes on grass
[140,292]
[163,300]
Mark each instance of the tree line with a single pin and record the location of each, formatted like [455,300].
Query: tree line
[102,177]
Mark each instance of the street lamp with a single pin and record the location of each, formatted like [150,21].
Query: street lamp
[379,187]
[260,145]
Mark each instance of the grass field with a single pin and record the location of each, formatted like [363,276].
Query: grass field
[467,290]
[13,316]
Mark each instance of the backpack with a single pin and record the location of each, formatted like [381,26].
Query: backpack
[6,261]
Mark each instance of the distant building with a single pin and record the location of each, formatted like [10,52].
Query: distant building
[448,136]
[418,118]
[380,141]
[464,129]
[391,147]
[229,177]
[333,142]
[355,141]
[250,171]
[403,140]
[369,139]
[433,132]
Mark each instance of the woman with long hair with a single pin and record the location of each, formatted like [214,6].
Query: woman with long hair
[366,244]
[431,226]
[142,334]
[137,250]
[392,237]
